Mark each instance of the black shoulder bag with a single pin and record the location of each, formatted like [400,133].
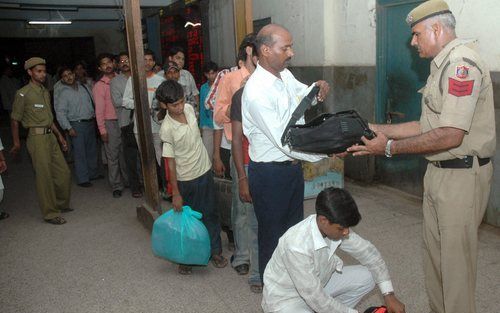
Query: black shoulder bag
[327,133]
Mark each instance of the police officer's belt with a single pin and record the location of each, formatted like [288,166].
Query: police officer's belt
[39,130]
[465,162]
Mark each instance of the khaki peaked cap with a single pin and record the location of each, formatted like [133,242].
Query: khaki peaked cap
[31,62]
[425,10]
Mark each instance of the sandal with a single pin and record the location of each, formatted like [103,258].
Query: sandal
[56,221]
[256,288]
[4,215]
[184,269]
[219,261]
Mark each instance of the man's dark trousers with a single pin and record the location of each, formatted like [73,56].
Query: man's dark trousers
[84,146]
[199,194]
[277,190]
[131,154]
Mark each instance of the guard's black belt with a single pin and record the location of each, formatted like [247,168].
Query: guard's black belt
[82,120]
[465,162]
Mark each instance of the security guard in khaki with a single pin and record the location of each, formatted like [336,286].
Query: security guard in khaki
[456,132]
[33,109]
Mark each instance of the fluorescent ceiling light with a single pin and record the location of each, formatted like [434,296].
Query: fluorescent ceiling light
[192,24]
[49,22]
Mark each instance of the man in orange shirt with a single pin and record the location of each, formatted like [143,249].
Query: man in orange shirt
[229,84]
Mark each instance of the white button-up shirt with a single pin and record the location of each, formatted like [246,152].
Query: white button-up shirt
[304,262]
[152,83]
[267,106]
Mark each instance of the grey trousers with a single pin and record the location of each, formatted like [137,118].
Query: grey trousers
[117,174]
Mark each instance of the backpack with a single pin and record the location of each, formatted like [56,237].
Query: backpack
[327,133]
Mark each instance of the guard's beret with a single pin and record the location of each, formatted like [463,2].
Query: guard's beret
[425,10]
[33,62]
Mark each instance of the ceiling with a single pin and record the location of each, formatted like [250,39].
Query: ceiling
[74,10]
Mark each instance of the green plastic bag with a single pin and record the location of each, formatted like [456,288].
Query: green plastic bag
[181,237]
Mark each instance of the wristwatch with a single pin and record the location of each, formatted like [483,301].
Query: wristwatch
[388,148]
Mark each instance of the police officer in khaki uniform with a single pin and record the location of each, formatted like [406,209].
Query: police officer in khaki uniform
[33,109]
[456,133]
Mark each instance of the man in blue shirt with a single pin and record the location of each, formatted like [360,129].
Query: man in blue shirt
[75,113]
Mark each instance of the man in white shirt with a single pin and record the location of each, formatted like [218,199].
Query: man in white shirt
[152,82]
[275,175]
[304,273]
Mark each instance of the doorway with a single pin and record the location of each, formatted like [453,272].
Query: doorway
[400,74]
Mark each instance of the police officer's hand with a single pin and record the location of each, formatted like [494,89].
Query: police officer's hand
[376,146]
[72,132]
[64,144]
[177,202]
[104,137]
[324,89]
[244,190]
[393,304]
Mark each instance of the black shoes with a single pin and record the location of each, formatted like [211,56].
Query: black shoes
[117,194]
[85,184]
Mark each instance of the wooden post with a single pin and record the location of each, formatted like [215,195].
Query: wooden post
[243,20]
[151,209]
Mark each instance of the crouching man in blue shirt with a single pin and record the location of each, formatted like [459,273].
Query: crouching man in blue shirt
[304,273]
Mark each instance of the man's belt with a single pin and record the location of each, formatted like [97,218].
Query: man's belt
[82,120]
[39,130]
[291,162]
[465,162]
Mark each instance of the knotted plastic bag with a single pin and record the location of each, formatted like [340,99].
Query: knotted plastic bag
[181,237]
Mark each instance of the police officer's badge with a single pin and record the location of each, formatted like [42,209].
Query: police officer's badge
[462,71]
[409,18]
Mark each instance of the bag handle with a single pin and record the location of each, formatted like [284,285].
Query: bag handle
[304,104]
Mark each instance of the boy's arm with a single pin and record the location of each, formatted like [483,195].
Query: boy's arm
[177,200]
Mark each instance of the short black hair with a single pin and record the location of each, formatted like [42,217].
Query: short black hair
[123,53]
[169,91]
[104,55]
[248,41]
[62,69]
[338,206]
[210,66]
[174,50]
[151,53]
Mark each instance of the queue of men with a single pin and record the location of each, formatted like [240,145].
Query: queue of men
[291,260]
